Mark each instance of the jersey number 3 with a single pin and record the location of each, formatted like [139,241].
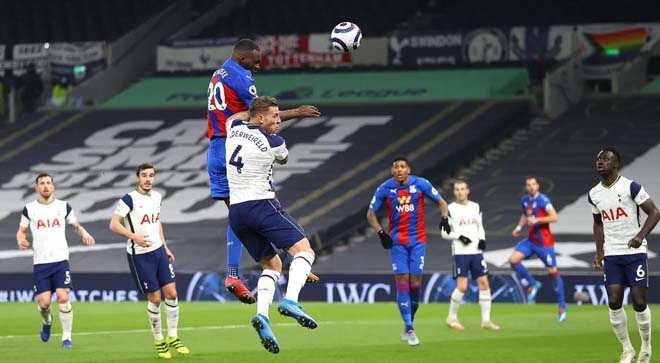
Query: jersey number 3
[217,97]
[236,160]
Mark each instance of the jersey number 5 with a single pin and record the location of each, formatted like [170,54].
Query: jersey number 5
[216,97]
[236,160]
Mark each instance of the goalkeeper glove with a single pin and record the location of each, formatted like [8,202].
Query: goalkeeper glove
[464,239]
[385,239]
[444,225]
[482,244]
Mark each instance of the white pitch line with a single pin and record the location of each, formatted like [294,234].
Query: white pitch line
[209,327]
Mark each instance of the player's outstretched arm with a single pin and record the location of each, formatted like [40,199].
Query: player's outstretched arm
[599,235]
[87,238]
[21,238]
[653,215]
[301,111]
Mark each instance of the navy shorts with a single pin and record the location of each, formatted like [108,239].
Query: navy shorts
[260,224]
[472,264]
[151,270]
[408,259]
[51,276]
[626,270]
[217,168]
[547,254]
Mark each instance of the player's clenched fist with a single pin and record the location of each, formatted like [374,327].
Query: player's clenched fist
[385,239]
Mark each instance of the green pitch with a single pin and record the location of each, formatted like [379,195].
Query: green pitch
[119,332]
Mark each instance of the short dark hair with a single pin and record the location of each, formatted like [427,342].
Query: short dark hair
[613,151]
[401,158]
[261,105]
[462,181]
[43,175]
[246,46]
[528,177]
[144,166]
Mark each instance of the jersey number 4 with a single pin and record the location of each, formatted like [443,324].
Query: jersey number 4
[236,160]
[216,97]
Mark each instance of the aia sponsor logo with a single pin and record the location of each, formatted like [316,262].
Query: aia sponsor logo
[467,221]
[47,223]
[150,218]
[613,215]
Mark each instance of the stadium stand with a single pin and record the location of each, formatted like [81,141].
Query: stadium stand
[73,20]
[454,14]
[376,17]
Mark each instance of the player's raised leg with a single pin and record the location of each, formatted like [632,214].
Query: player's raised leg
[311,277]
[520,252]
[301,266]
[66,316]
[233,283]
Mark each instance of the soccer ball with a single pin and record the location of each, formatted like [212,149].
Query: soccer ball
[346,37]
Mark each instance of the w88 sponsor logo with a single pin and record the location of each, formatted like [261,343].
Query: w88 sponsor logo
[405,208]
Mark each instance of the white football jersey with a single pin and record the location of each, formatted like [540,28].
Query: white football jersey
[619,209]
[250,156]
[465,220]
[141,213]
[47,224]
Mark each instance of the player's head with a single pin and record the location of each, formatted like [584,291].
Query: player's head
[607,161]
[146,173]
[400,170]
[265,112]
[532,185]
[461,190]
[44,185]
[247,54]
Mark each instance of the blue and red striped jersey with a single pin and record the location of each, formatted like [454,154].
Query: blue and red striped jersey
[538,207]
[405,208]
[231,90]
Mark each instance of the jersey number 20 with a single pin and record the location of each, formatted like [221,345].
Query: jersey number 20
[236,160]
[217,97]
